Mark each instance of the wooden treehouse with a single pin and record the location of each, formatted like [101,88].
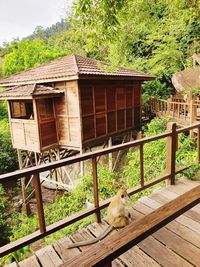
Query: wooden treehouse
[165,226]
[68,105]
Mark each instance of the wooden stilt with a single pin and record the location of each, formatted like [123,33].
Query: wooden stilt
[25,204]
[110,160]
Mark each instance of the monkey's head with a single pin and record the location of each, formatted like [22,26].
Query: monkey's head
[123,195]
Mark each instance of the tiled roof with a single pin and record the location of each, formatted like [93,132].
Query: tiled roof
[70,67]
[186,79]
[29,90]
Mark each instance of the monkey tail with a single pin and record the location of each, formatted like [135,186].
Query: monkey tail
[92,241]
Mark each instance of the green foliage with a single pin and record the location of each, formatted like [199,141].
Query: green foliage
[155,155]
[8,157]
[3,110]
[4,229]
[156,126]
[27,54]
[95,11]
[155,89]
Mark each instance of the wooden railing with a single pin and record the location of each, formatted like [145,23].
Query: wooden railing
[196,110]
[185,112]
[171,171]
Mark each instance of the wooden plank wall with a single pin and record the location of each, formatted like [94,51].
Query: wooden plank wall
[25,134]
[68,115]
[109,108]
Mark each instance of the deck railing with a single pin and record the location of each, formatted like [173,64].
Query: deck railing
[171,145]
[185,112]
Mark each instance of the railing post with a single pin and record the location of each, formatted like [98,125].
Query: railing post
[141,165]
[38,195]
[198,144]
[95,188]
[171,151]
[192,111]
[168,105]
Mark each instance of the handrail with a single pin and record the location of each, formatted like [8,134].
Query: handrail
[171,171]
[13,176]
[183,111]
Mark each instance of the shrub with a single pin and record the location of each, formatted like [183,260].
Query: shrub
[8,155]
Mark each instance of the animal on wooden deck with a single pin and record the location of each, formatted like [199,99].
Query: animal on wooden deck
[117,216]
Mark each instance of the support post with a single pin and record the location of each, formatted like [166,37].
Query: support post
[192,116]
[198,144]
[95,188]
[110,161]
[82,163]
[171,152]
[141,165]
[38,195]
[25,205]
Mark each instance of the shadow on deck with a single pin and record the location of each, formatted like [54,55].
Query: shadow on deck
[176,244]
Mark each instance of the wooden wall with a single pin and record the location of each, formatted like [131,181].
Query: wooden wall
[68,115]
[109,108]
[25,134]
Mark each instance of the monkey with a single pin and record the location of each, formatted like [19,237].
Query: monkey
[117,216]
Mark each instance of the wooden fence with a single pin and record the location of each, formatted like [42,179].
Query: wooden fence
[185,113]
[171,144]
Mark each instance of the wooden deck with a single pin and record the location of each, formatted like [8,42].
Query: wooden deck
[176,244]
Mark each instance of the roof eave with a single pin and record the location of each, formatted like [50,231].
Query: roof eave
[39,81]
[15,97]
[81,76]
[118,77]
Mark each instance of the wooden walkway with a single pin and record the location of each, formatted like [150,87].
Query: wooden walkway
[176,244]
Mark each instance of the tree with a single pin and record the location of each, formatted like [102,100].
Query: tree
[27,54]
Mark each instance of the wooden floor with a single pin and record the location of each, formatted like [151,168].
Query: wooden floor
[176,244]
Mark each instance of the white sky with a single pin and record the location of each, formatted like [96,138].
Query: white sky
[19,18]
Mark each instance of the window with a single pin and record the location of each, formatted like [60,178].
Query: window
[22,109]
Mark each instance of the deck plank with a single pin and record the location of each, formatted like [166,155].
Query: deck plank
[13,264]
[48,257]
[165,196]
[136,257]
[82,235]
[97,229]
[179,229]
[182,186]
[185,220]
[162,254]
[180,246]
[61,248]
[32,261]
[133,257]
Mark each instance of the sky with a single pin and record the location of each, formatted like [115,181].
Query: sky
[19,18]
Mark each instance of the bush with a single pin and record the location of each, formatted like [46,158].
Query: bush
[8,155]
[4,229]
[155,155]
[155,89]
